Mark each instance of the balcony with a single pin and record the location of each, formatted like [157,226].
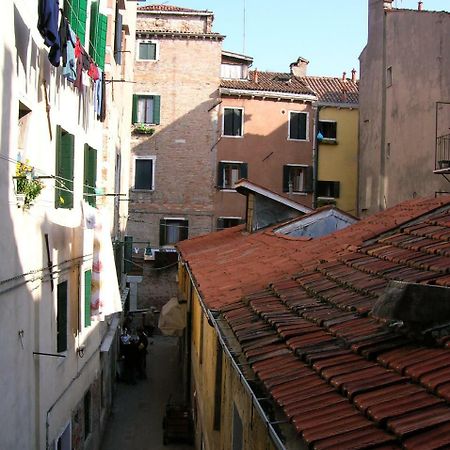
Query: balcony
[442,163]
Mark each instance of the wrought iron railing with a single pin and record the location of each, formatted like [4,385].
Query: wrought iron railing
[443,153]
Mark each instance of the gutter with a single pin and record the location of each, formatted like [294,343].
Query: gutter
[268,94]
[213,322]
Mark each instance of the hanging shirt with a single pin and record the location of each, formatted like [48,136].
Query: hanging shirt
[98,93]
[93,71]
[70,66]
[48,15]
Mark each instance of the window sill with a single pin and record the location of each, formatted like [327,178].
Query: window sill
[233,137]
[297,140]
[226,189]
[143,190]
[303,193]
[329,142]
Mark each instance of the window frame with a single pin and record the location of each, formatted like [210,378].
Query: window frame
[59,326]
[306,181]
[243,173]
[144,157]
[156,109]
[238,136]
[163,242]
[333,186]
[147,41]
[289,138]
[325,138]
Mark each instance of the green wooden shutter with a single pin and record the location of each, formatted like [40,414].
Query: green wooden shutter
[162,232]
[244,170]
[156,109]
[87,297]
[64,169]
[61,317]
[134,117]
[93,30]
[90,174]
[101,43]
[308,179]
[76,13]
[220,175]
[128,253]
[286,171]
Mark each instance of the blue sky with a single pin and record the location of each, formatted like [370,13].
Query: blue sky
[329,33]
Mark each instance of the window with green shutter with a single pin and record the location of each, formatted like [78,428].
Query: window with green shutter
[76,13]
[97,35]
[64,169]
[146,109]
[87,297]
[61,317]
[90,174]
[298,126]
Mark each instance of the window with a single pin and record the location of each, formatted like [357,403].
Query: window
[172,230]
[232,122]
[233,71]
[147,51]
[87,297]
[328,189]
[230,172]
[237,430]
[118,36]
[64,169]
[61,317]
[218,387]
[144,173]
[298,126]
[297,178]
[228,222]
[146,109]
[328,129]
[76,13]
[389,76]
[90,174]
[97,35]
[87,414]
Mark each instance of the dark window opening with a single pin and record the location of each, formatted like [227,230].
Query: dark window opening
[230,173]
[143,174]
[87,414]
[328,189]
[172,231]
[297,125]
[61,317]
[297,178]
[228,222]
[232,122]
[328,129]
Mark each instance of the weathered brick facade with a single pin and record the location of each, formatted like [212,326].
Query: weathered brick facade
[185,76]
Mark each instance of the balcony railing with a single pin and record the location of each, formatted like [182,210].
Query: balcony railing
[442,164]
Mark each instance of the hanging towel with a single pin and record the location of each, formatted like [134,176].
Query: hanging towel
[70,66]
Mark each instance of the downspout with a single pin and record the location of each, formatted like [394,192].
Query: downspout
[382,203]
[213,322]
[315,156]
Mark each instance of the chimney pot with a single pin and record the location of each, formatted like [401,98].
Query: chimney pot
[354,75]
[420,6]
[344,74]
[255,76]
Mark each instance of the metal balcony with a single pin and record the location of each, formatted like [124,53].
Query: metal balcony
[442,162]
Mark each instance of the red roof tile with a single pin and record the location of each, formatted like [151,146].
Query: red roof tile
[169,8]
[343,379]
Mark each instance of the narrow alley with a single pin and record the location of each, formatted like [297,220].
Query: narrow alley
[138,409]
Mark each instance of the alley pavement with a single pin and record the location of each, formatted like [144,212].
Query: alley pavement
[138,409]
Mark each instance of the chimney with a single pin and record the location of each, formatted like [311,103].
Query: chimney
[420,6]
[344,75]
[354,75]
[255,76]
[387,4]
[298,68]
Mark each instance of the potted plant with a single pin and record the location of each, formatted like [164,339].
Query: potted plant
[142,128]
[27,186]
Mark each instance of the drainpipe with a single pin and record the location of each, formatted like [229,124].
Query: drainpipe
[315,156]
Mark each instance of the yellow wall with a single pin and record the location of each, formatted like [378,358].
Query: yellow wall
[340,162]
[203,384]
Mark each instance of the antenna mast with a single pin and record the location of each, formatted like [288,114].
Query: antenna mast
[243,37]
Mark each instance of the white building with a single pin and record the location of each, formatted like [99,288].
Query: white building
[57,363]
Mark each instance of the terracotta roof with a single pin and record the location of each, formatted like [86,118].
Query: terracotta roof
[333,90]
[343,378]
[230,264]
[269,81]
[327,89]
[170,8]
